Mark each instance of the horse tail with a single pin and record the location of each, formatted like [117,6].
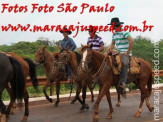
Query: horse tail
[149,85]
[18,80]
[32,71]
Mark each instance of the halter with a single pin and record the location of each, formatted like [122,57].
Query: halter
[42,59]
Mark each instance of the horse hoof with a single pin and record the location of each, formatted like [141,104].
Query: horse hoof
[24,119]
[12,113]
[117,105]
[92,100]
[8,118]
[50,100]
[95,119]
[109,117]
[86,106]
[151,109]
[137,115]
[55,105]
[72,102]
[93,107]
[81,110]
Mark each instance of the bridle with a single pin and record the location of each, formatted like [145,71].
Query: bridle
[89,67]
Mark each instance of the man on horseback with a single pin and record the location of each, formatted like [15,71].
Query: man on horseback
[67,42]
[95,40]
[124,44]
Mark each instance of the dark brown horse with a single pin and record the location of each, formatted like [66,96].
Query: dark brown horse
[68,57]
[53,73]
[28,70]
[108,79]
[11,76]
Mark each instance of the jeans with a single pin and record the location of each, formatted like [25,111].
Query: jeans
[69,70]
[125,65]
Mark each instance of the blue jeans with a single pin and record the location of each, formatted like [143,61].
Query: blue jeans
[69,70]
[125,65]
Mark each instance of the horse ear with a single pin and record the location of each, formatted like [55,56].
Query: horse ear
[91,45]
[82,45]
[39,46]
[44,47]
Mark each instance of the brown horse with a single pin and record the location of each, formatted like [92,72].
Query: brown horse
[28,69]
[53,73]
[108,79]
[68,57]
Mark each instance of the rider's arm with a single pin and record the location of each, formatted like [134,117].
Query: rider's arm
[131,43]
[101,43]
[101,48]
[73,45]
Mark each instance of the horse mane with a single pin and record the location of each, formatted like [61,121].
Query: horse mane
[85,46]
[48,52]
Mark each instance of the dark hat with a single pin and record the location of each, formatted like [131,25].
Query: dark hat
[91,28]
[116,21]
[66,30]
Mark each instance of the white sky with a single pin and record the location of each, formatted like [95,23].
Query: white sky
[131,12]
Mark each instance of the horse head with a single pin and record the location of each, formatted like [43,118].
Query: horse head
[40,55]
[86,54]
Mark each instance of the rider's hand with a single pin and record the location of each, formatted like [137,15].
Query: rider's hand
[108,50]
[126,53]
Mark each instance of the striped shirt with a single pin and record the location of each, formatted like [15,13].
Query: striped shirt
[122,44]
[96,43]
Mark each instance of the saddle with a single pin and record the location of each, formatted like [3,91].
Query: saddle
[116,63]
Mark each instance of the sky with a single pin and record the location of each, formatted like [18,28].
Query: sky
[131,12]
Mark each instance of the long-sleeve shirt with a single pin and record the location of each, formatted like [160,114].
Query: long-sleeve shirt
[68,42]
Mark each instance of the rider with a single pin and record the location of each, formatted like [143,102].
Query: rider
[95,40]
[124,44]
[67,42]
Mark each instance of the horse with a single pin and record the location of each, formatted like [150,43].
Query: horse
[53,74]
[28,69]
[11,76]
[68,57]
[107,79]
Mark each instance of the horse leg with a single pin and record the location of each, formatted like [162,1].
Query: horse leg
[110,105]
[74,100]
[143,96]
[57,92]
[44,90]
[3,111]
[100,96]
[12,101]
[26,98]
[12,108]
[92,95]
[148,105]
[100,87]
[119,98]
[84,97]
[78,93]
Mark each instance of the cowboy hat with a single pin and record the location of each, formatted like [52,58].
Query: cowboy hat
[92,29]
[116,21]
[66,30]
